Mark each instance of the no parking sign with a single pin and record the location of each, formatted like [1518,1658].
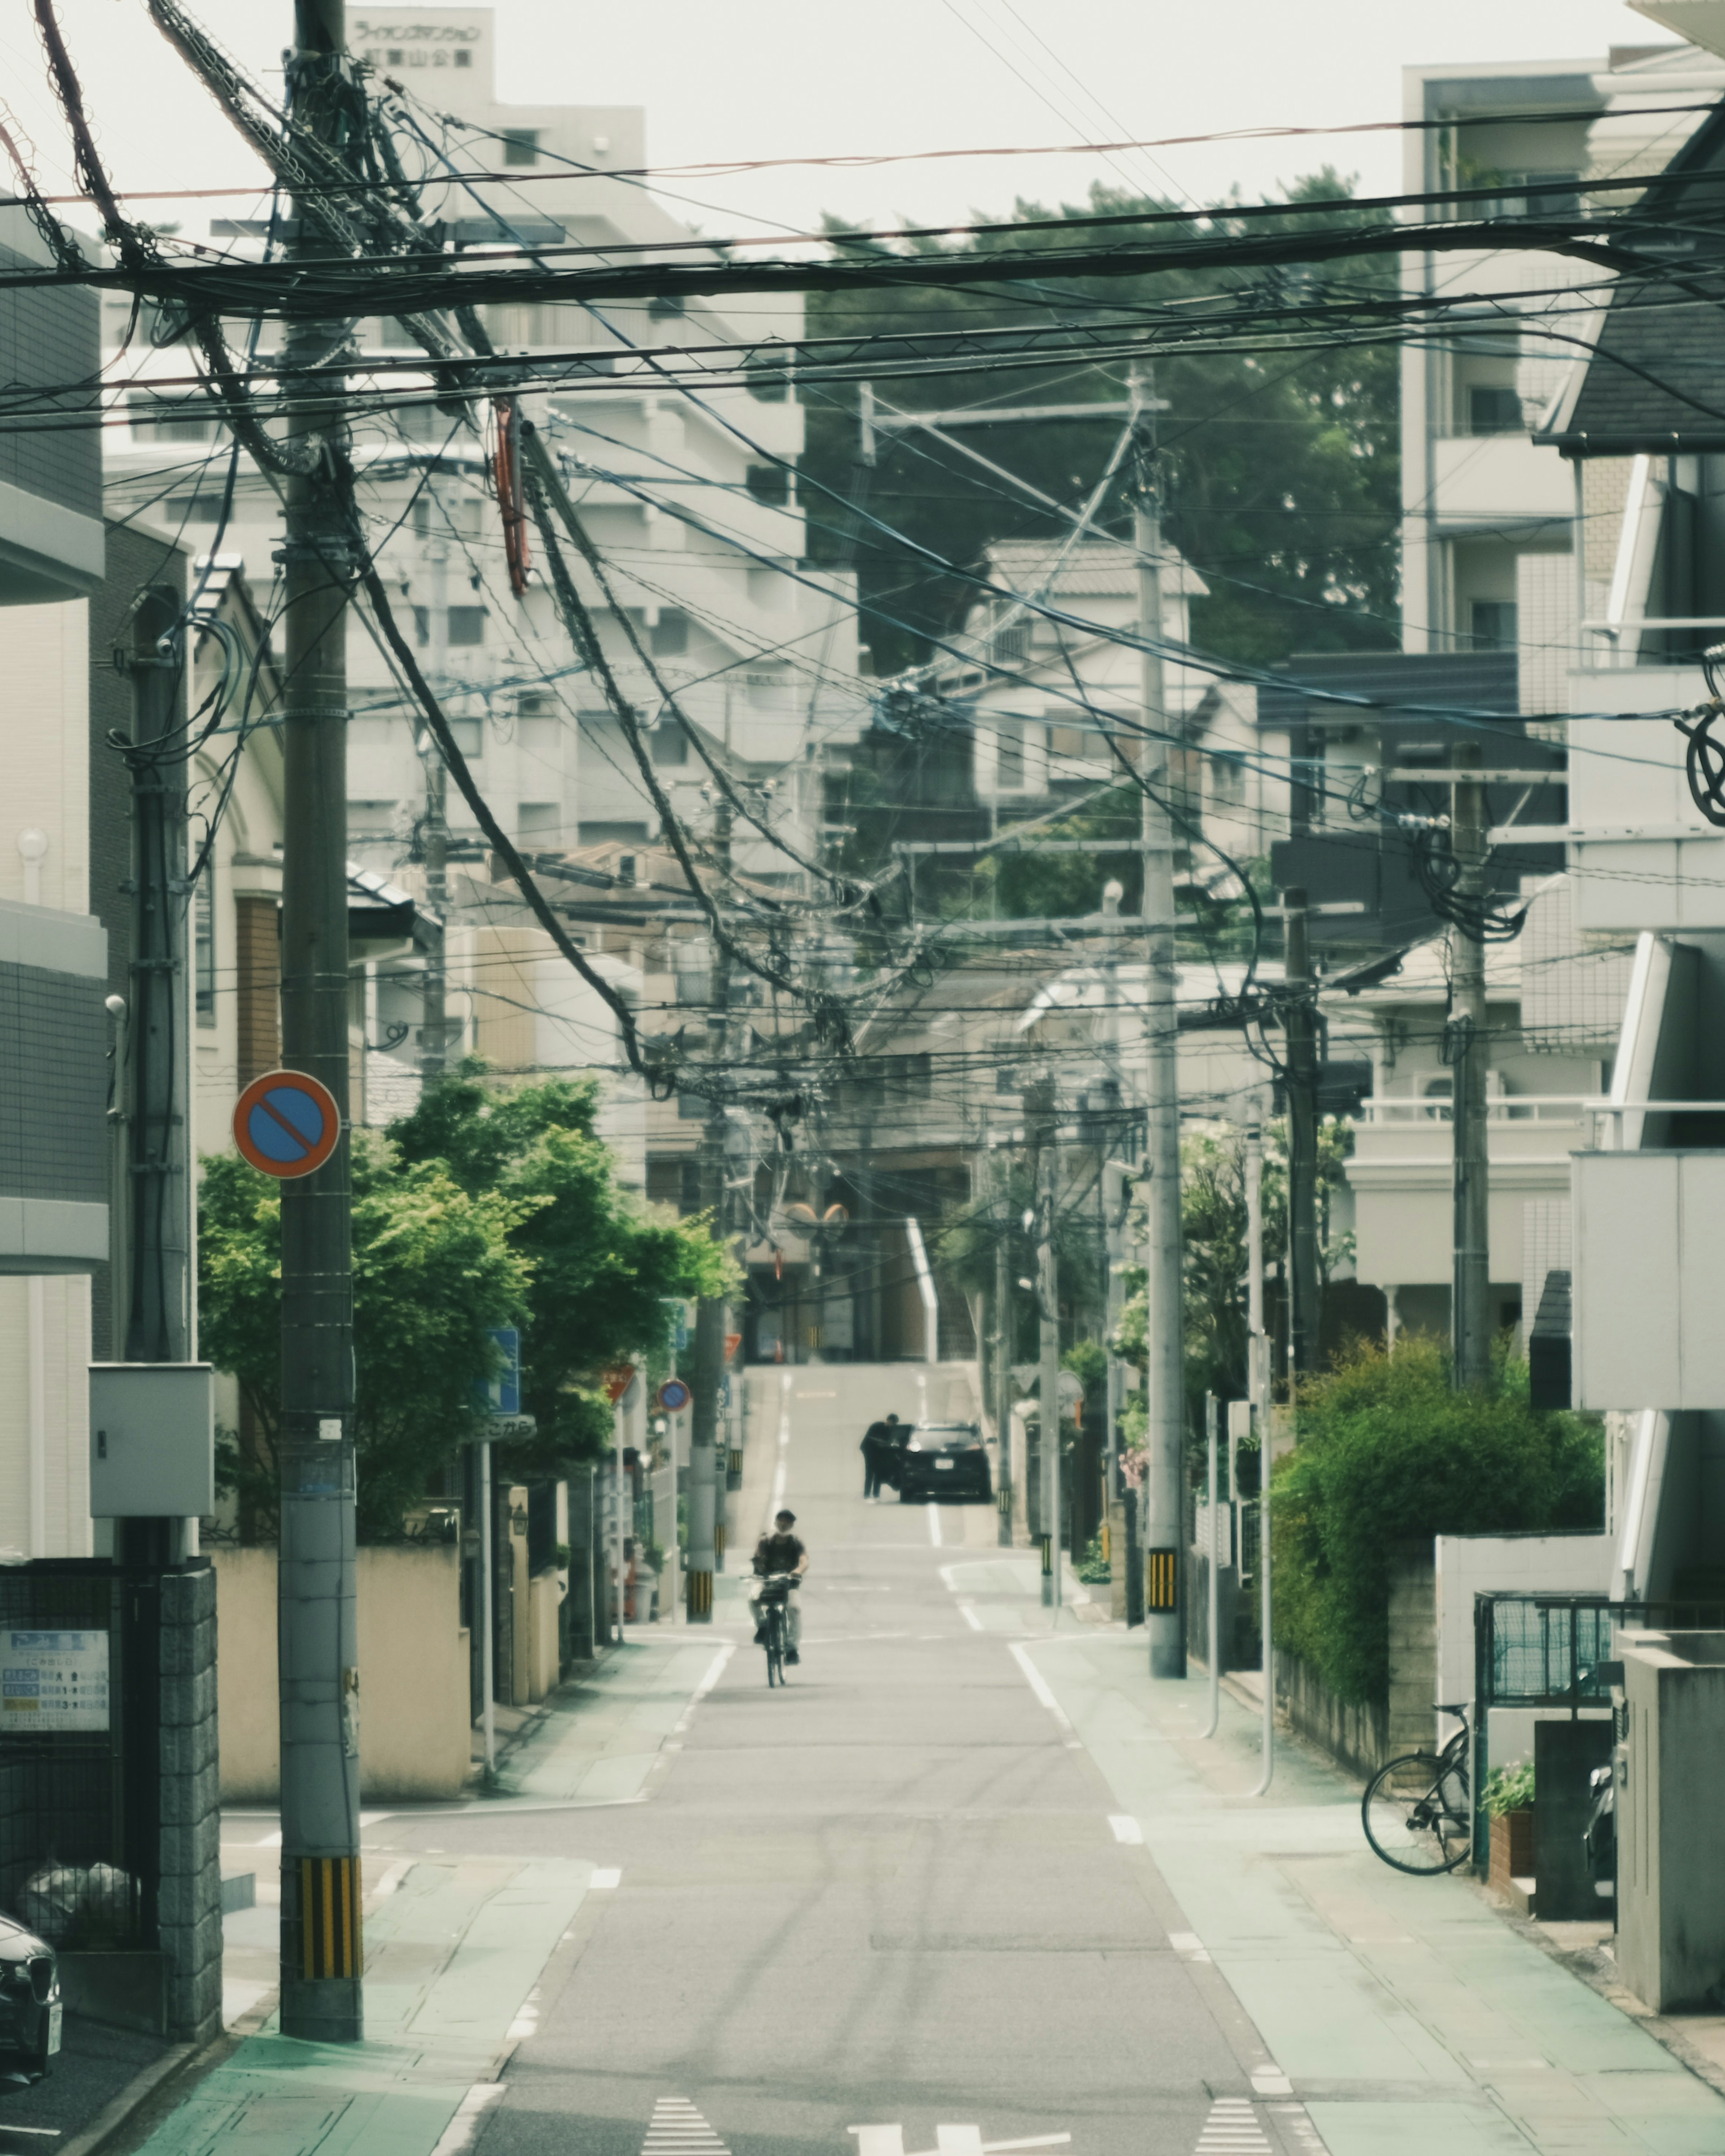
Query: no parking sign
[286,1124]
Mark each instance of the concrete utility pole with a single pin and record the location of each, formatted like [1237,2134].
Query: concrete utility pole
[1003,1344]
[159,1301]
[1048,1303]
[318,1631]
[1300,1035]
[1465,1049]
[711,1317]
[1163,1505]
[1258,1391]
[434,831]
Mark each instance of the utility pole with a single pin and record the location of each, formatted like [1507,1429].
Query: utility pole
[706,1474]
[159,1301]
[1003,1329]
[1258,1391]
[1163,1520]
[434,831]
[318,1632]
[1048,1303]
[1300,1035]
[1465,1049]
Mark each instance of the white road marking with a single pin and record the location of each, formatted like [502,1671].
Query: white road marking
[959,2140]
[1232,2129]
[1039,1684]
[271,1841]
[1271,2081]
[603,1879]
[966,1610]
[392,1878]
[1126,1829]
[526,2022]
[677,2128]
[934,1526]
[953,2140]
[714,1669]
[782,1472]
[1190,1947]
[461,2129]
[878,2140]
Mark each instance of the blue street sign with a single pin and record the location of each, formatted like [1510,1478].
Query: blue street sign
[501,1393]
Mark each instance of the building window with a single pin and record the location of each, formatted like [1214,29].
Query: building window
[770,483]
[1011,646]
[470,735]
[541,821]
[1228,779]
[467,624]
[1494,412]
[670,743]
[203,952]
[194,509]
[520,145]
[670,635]
[422,627]
[1082,744]
[1493,625]
[1009,761]
[531,704]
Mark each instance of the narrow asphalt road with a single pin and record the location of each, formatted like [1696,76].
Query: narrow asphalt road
[883,1909]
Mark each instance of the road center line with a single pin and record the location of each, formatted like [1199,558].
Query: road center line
[934,1526]
[966,1610]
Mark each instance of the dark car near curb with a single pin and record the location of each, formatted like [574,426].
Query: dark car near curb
[945,1460]
[29,2006]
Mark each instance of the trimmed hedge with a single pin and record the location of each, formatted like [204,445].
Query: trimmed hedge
[1387,1452]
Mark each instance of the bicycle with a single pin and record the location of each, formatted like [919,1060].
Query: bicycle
[1415,1811]
[775,1622]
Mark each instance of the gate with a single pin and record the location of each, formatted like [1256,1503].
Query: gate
[79,1806]
[1554,1650]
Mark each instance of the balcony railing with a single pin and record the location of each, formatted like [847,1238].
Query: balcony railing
[1407,1109]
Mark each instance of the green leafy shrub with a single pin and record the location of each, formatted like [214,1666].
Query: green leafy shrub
[1509,1789]
[1388,1453]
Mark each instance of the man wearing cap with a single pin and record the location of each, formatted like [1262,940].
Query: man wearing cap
[780,1551]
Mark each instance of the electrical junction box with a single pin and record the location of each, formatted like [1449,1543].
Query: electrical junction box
[153,1440]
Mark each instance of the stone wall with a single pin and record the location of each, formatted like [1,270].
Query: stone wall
[1357,1737]
[189,1903]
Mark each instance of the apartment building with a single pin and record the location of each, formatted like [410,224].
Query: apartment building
[691,499]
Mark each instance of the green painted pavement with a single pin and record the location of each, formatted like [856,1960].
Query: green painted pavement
[1407,2014]
[453,1952]
[598,1740]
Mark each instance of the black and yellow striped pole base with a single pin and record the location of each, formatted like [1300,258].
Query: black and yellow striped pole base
[1162,1580]
[700,1597]
[719,1545]
[321,1956]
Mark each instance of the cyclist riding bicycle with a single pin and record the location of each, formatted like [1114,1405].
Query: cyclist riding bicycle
[780,1551]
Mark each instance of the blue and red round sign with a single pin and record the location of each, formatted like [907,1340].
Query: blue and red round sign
[673,1396]
[286,1124]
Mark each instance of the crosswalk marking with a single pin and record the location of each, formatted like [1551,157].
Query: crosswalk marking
[1232,2129]
[677,2128]
[951,2141]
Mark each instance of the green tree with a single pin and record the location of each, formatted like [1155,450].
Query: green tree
[434,1267]
[1279,466]
[599,1263]
[1388,1453]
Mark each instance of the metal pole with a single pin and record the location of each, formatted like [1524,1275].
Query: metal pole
[1258,1385]
[1164,1526]
[1465,1048]
[706,1473]
[487,1641]
[318,1648]
[1004,1315]
[1212,1416]
[434,838]
[621,1537]
[1301,1034]
[1048,1303]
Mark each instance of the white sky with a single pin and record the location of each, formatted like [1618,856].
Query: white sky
[794,78]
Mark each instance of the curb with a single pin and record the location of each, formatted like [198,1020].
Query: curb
[168,2076]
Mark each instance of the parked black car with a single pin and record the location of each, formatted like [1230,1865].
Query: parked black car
[945,1460]
[29,2006]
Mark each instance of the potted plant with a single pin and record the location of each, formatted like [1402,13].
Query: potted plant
[1508,1799]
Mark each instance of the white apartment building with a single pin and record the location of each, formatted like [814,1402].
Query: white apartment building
[1490,520]
[691,499]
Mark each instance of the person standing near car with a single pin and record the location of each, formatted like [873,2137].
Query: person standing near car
[877,1441]
[780,1551]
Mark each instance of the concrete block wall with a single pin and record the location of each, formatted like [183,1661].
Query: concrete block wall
[189,1898]
[1413,1649]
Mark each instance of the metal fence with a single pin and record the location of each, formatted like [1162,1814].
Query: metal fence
[1556,1652]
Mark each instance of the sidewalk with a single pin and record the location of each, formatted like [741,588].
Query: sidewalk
[456,1944]
[1406,2013]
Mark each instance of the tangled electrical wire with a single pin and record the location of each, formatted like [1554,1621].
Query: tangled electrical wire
[1482,919]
